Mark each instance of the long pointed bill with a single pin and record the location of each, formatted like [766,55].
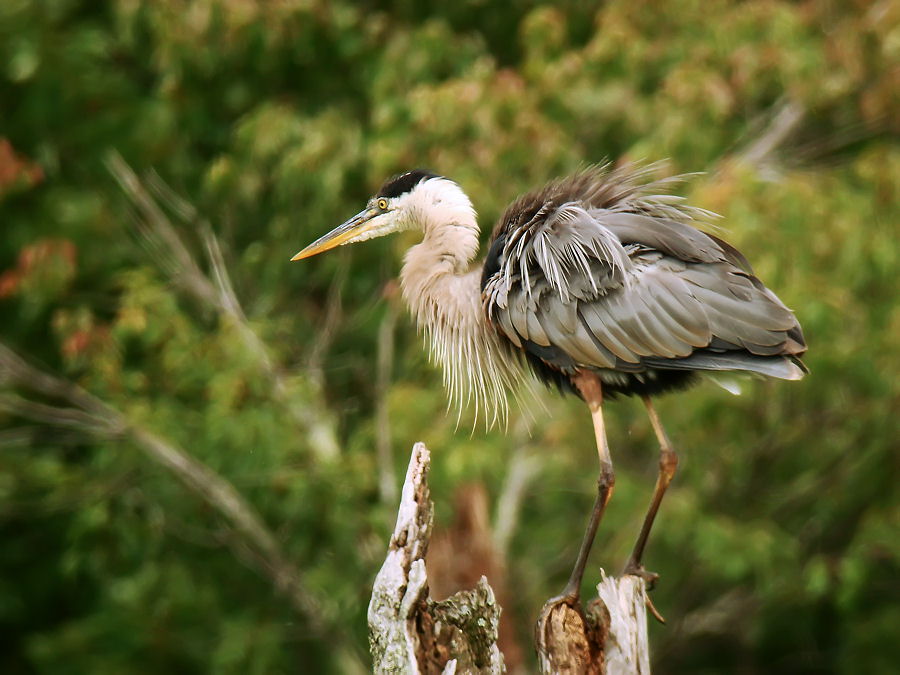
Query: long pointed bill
[339,235]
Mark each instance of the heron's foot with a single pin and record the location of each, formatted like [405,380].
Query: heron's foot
[561,609]
[567,638]
[636,569]
[650,578]
[567,598]
[655,612]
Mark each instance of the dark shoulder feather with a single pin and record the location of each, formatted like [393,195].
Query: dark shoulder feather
[597,187]
[492,260]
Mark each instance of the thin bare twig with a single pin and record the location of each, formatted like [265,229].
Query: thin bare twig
[326,330]
[228,300]
[28,436]
[523,468]
[387,483]
[169,250]
[66,418]
[785,120]
[14,369]
[157,229]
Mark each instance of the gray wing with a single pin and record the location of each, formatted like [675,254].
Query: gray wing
[624,291]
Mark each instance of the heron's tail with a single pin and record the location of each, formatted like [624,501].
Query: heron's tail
[782,367]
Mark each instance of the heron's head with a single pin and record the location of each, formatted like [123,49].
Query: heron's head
[404,202]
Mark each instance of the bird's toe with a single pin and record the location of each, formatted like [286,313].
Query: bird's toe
[637,570]
[566,598]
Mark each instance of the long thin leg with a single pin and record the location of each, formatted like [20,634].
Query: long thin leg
[563,633]
[668,462]
[589,386]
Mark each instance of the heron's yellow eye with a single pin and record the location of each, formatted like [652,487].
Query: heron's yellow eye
[382,204]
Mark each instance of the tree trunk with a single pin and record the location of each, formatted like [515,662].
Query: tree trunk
[411,633]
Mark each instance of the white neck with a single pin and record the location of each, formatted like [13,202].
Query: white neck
[445,215]
[433,268]
[444,297]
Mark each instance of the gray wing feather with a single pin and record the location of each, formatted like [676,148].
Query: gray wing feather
[570,251]
[675,239]
[573,339]
[613,289]
[621,313]
[610,336]
[536,332]
[664,331]
[750,318]
[633,325]
[783,368]
[519,312]
[683,312]
[558,312]
[500,317]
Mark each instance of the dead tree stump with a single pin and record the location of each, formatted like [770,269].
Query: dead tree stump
[411,633]
[408,631]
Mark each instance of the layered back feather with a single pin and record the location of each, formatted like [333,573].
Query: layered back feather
[603,271]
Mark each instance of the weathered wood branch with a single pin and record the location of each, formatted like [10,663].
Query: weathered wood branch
[411,633]
[627,649]
[408,631]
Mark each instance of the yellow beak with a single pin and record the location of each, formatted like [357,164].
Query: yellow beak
[342,234]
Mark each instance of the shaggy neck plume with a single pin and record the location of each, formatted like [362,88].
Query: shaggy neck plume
[444,297]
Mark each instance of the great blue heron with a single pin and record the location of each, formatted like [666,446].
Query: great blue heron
[599,282]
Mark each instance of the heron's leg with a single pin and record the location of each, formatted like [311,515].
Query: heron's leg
[589,386]
[668,462]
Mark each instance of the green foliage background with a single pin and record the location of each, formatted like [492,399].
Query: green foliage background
[778,542]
